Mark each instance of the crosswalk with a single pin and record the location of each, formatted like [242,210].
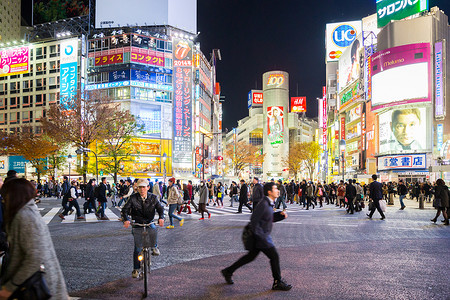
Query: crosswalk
[51,214]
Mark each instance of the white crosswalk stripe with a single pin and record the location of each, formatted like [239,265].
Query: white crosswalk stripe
[50,215]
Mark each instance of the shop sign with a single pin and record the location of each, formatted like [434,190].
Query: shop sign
[413,161]
[389,10]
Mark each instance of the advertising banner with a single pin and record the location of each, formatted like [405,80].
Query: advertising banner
[255,98]
[298,104]
[400,75]
[14,61]
[440,136]
[275,124]
[410,162]
[147,56]
[350,64]
[343,128]
[121,75]
[404,130]
[17,163]
[276,81]
[354,113]
[324,119]
[69,70]
[389,10]
[439,111]
[339,36]
[182,114]
[109,59]
[3,164]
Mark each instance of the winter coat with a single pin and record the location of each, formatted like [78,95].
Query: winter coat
[172,198]
[443,194]
[261,221]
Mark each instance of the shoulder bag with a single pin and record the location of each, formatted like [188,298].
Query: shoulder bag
[248,237]
[34,288]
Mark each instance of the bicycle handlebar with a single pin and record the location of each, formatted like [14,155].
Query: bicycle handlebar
[144,225]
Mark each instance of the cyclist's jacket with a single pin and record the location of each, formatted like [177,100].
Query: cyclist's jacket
[142,211]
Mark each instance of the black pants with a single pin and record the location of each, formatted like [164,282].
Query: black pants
[73,203]
[376,205]
[241,203]
[271,253]
[351,208]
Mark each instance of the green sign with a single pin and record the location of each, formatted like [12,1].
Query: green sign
[101,173]
[388,10]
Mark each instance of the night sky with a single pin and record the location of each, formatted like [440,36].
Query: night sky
[256,36]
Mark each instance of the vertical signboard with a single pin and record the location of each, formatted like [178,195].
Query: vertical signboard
[69,70]
[4,164]
[440,136]
[275,124]
[324,118]
[14,61]
[342,128]
[182,104]
[439,111]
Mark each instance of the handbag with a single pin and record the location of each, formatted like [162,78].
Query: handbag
[248,237]
[219,195]
[34,288]
[383,205]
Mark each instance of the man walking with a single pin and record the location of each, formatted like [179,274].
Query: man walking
[261,223]
[243,197]
[258,192]
[102,199]
[376,194]
[402,191]
[350,194]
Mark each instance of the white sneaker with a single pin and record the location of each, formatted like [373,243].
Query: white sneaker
[135,273]
[155,251]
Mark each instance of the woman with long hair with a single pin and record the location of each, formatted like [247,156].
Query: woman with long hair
[30,244]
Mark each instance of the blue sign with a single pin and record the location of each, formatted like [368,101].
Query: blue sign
[121,75]
[412,162]
[199,166]
[249,100]
[440,136]
[17,163]
[344,35]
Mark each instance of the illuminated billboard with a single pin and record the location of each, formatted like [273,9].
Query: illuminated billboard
[298,104]
[404,130]
[14,61]
[400,75]
[408,162]
[182,104]
[275,124]
[350,64]
[255,98]
[117,13]
[339,36]
[69,70]
[439,58]
[389,10]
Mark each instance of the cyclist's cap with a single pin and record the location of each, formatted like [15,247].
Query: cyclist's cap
[142,182]
[172,179]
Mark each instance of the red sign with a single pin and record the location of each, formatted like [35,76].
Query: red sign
[298,104]
[109,59]
[148,57]
[343,128]
[257,98]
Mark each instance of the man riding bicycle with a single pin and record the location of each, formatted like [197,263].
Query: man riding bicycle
[141,207]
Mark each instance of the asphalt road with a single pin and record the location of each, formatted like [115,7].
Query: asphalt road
[325,254]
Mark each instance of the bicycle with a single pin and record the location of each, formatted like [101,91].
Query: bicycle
[145,256]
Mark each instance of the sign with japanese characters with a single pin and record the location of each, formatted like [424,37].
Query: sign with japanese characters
[275,124]
[255,98]
[410,162]
[389,10]
[109,59]
[298,104]
[69,70]
[440,136]
[147,56]
[439,111]
[182,102]
[17,163]
[119,75]
[14,61]
[400,75]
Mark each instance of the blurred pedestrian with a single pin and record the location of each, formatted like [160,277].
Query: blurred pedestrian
[203,199]
[172,200]
[30,243]
[376,194]
[441,201]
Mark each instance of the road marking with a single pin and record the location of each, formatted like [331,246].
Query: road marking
[111,216]
[287,222]
[90,217]
[50,215]
[70,218]
[342,225]
[402,228]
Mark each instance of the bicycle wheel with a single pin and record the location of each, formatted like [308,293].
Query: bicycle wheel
[145,252]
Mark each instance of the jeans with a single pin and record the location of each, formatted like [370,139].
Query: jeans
[172,208]
[101,211]
[279,201]
[401,197]
[138,242]
[271,253]
[122,200]
[233,198]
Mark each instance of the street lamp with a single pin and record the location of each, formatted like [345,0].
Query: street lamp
[85,150]
[164,160]
[342,148]
[69,159]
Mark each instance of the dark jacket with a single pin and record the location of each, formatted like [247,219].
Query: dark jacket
[243,194]
[375,191]
[102,193]
[402,190]
[142,211]
[442,193]
[350,192]
[258,194]
[89,192]
[261,222]
[65,187]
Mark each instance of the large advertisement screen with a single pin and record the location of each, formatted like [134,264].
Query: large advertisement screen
[117,13]
[182,114]
[339,36]
[45,11]
[14,61]
[404,130]
[275,124]
[389,10]
[400,75]
[350,64]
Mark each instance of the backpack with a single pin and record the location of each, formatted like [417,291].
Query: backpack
[96,191]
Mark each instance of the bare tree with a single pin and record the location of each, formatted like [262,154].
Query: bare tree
[241,154]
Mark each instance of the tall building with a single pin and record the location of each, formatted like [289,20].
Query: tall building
[9,21]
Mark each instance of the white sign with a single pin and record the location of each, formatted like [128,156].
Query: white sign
[339,36]
[413,161]
[180,14]
[3,164]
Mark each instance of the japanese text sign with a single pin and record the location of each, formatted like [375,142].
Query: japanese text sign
[414,161]
[69,70]
[439,111]
[388,10]
[14,61]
